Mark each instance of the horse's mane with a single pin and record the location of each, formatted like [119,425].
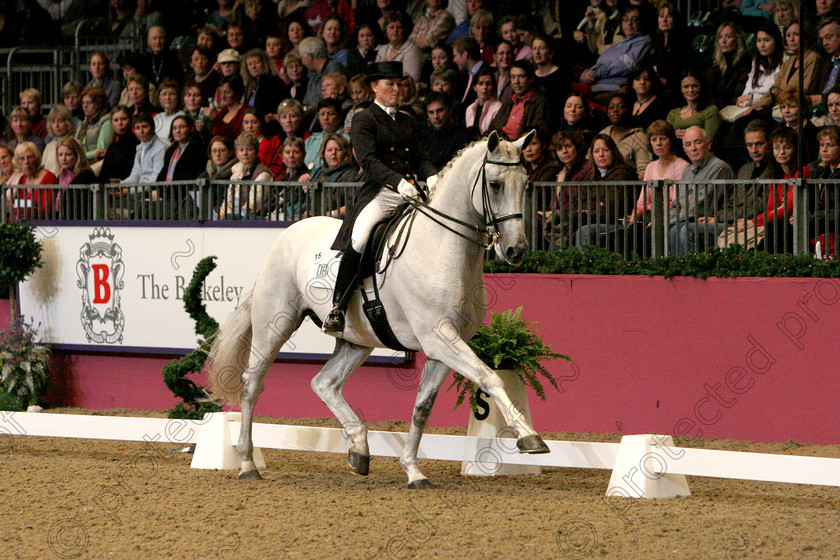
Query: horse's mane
[458,155]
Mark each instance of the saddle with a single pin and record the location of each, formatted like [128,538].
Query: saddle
[372,256]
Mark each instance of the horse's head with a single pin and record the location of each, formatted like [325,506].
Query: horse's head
[503,192]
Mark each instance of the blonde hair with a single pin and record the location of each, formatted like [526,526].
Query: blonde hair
[27,147]
[33,93]
[81,159]
[740,47]
[60,113]
[290,106]
[247,79]
[246,139]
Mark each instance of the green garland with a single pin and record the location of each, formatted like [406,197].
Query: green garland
[733,262]
[175,373]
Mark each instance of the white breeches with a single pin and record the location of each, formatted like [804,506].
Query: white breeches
[384,205]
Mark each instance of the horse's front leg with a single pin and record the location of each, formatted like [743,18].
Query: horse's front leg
[434,373]
[455,353]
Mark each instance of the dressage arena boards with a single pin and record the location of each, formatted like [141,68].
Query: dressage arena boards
[69,497]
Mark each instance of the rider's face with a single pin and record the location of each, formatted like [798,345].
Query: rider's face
[387,91]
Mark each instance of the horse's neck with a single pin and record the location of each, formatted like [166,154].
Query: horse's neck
[453,197]
[455,189]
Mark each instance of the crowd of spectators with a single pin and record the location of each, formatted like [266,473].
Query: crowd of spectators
[267,90]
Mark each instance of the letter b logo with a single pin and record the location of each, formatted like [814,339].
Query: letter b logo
[101,286]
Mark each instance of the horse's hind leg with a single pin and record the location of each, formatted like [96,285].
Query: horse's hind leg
[328,385]
[434,373]
[270,332]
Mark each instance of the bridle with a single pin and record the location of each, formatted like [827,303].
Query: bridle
[490,232]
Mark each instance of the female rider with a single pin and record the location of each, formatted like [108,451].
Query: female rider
[386,145]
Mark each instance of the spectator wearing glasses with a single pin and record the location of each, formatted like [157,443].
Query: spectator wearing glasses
[30,203]
[504,59]
[776,219]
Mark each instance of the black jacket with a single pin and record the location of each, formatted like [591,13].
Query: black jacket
[270,92]
[388,149]
[119,157]
[442,145]
[190,165]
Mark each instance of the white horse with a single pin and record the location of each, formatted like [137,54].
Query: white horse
[433,294]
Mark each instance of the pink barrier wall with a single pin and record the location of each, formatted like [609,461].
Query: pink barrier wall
[744,358]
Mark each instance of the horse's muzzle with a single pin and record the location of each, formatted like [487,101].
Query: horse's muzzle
[513,254]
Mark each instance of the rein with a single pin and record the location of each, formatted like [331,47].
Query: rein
[490,231]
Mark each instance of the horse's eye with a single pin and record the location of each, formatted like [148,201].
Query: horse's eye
[496,185]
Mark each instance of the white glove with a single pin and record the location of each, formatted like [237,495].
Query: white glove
[408,191]
[431,182]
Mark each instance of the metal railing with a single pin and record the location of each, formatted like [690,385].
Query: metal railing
[636,218]
[47,69]
[658,218]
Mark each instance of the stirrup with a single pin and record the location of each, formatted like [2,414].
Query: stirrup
[334,323]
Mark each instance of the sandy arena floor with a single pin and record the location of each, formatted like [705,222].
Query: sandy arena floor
[63,498]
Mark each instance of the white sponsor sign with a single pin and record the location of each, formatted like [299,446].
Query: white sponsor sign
[122,288]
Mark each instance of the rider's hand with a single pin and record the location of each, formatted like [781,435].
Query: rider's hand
[408,191]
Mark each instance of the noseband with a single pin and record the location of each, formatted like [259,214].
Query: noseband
[490,231]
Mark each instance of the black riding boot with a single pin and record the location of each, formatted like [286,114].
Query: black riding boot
[345,284]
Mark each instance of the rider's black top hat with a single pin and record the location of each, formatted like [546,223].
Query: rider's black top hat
[384,70]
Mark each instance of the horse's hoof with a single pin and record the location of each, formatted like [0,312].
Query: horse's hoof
[359,463]
[250,475]
[532,444]
[421,484]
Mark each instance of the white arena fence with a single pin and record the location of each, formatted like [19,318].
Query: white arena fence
[648,466]
[556,214]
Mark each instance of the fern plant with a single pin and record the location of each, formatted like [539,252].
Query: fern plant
[510,343]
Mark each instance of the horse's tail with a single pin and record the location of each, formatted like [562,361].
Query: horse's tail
[229,353]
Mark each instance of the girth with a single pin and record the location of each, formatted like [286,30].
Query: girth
[373,253]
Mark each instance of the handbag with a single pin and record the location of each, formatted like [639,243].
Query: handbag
[732,113]
[749,238]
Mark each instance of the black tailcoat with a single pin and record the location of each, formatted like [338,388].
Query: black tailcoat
[387,150]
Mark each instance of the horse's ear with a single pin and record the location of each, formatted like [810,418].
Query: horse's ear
[523,142]
[492,142]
